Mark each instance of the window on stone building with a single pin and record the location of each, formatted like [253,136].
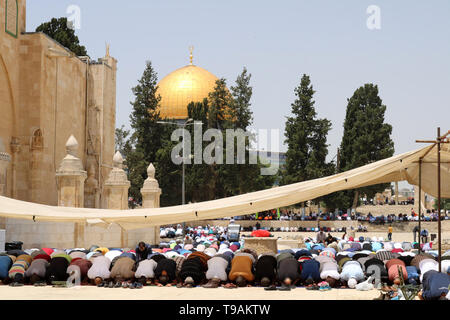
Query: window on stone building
[11,17]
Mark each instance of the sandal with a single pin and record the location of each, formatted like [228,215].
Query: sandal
[16,284]
[284,288]
[271,288]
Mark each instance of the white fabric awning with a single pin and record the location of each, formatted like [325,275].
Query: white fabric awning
[397,168]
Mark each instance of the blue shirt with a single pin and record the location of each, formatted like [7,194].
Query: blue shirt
[5,265]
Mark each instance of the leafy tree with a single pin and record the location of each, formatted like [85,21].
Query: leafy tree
[239,111]
[445,204]
[366,137]
[148,135]
[306,138]
[219,101]
[58,30]
[123,145]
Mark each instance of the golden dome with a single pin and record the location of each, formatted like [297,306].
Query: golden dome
[181,87]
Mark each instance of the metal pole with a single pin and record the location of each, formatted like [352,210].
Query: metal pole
[420,199]
[439,193]
[183,199]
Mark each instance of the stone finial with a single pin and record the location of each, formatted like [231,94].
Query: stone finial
[150,190]
[72,146]
[117,175]
[71,164]
[151,171]
[118,160]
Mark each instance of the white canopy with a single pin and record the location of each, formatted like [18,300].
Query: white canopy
[398,168]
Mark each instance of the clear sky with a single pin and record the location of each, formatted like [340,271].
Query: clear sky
[278,41]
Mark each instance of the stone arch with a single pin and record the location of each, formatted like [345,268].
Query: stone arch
[9,100]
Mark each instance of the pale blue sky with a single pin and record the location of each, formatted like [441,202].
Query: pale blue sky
[278,41]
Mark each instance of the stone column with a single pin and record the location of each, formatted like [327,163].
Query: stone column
[5,158]
[151,194]
[116,192]
[15,149]
[37,179]
[70,179]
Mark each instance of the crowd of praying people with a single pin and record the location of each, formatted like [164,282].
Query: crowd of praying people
[205,257]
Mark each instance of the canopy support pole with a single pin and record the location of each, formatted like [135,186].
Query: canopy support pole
[439,192]
[420,199]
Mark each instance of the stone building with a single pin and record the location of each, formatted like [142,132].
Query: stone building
[46,95]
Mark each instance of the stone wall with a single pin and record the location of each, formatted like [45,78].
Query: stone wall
[61,235]
[44,97]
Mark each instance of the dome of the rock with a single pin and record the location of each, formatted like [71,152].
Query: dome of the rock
[181,87]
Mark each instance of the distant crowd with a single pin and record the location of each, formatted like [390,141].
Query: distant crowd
[274,215]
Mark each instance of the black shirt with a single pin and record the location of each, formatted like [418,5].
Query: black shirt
[288,268]
[168,265]
[266,267]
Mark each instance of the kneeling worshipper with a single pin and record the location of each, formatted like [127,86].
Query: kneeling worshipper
[288,271]
[426,265]
[6,262]
[266,270]
[18,269]
[376,269]
[329,270]
[413,275]
[419,257]
[143,250]
[192,271]
[99,272]
[217,271]
[435,286]
[165,273]
[393,267]
[84,265]
[57,270]
[145,271]
[241,270]
[37,270]
[123,273]
[310,273]
[352,273]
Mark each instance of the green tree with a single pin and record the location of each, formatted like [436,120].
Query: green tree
[239,111]
[445,204]
[122,144]
[366,138]
[58,30]
[219,101]
[306,138]
[148,135]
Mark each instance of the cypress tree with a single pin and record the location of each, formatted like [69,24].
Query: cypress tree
[367,138]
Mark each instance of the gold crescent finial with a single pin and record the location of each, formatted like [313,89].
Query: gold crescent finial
[191,57]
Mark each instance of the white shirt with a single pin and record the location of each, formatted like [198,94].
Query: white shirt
[426,265]
[146,269]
